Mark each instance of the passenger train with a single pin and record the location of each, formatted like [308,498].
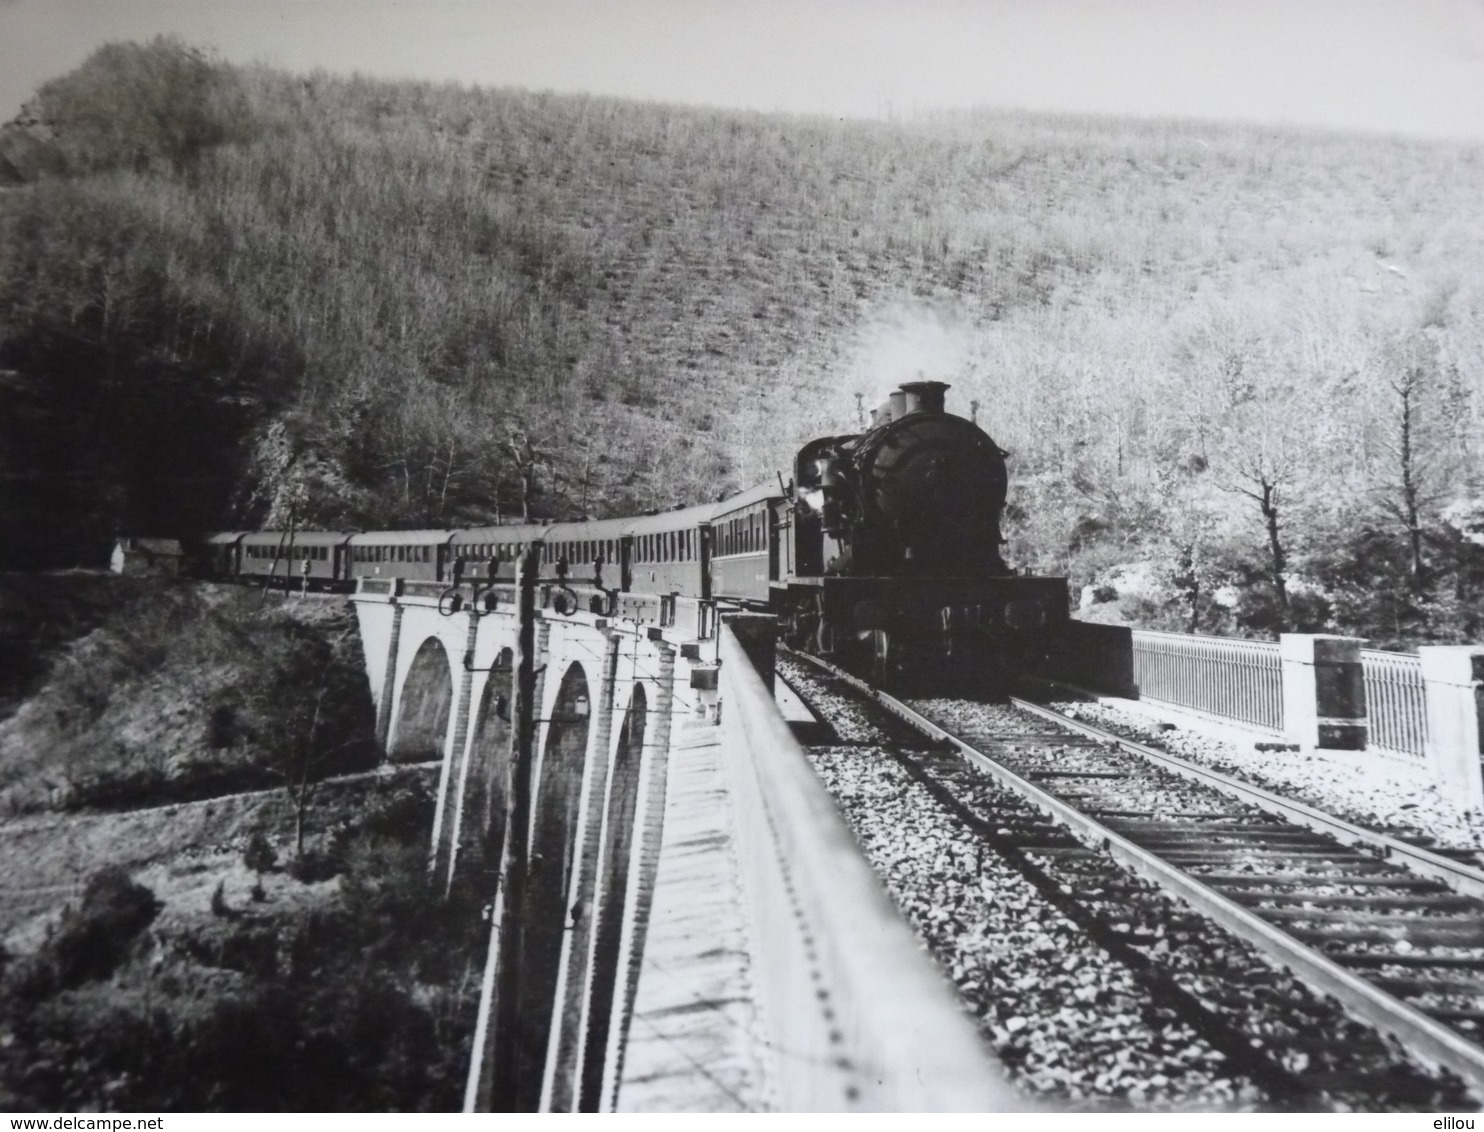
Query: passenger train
[884,552]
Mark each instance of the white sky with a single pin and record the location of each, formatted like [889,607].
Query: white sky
[1399,66]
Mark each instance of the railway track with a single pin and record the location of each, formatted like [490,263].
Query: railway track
[1392,932]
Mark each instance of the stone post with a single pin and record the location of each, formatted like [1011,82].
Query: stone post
[1453,679]
[1323,691]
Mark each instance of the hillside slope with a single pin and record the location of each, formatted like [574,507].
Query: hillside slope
[356,303]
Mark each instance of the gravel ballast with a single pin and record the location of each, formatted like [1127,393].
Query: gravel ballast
[1382,792]
[1074,1024]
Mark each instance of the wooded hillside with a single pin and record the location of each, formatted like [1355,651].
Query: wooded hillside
[1242,366]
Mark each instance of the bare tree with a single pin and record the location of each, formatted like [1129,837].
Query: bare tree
[1264,479]
[1411,447]
[528,454]
[1266,447]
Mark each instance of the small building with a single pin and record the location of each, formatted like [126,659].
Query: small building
[147,556]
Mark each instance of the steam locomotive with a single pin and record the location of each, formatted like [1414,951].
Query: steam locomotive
[883,553]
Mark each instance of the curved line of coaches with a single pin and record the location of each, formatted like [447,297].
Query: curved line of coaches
[734,543]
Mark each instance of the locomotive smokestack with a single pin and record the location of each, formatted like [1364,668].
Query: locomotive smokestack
[898,402]
[922,396]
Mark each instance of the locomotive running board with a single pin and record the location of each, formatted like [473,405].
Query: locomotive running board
[1421,1036]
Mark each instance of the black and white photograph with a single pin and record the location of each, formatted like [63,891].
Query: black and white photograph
[659,556]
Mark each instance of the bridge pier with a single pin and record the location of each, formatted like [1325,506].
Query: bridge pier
[388,686]
[453,778]
[563,1049]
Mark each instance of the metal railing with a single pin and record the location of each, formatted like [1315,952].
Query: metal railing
[856,1016]
[1221,676]
[1396,701]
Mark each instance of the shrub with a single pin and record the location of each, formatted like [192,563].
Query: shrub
[91,939]
[259,855]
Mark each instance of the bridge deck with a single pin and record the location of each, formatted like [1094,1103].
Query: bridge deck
[692,1044]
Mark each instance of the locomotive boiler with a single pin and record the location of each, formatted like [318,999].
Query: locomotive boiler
[894,564]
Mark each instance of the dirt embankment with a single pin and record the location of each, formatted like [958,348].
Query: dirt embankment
[188,958]
[133,692]
[166,942]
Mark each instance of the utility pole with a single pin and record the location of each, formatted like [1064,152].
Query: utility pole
[505,1089]
[860,411]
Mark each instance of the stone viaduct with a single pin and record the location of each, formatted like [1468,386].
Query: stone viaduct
[694,911]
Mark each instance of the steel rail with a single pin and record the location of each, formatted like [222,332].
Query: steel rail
[1420,1035]
[1455,874]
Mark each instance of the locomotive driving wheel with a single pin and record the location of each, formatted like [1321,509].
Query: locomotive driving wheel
[881,658]
[802,622]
